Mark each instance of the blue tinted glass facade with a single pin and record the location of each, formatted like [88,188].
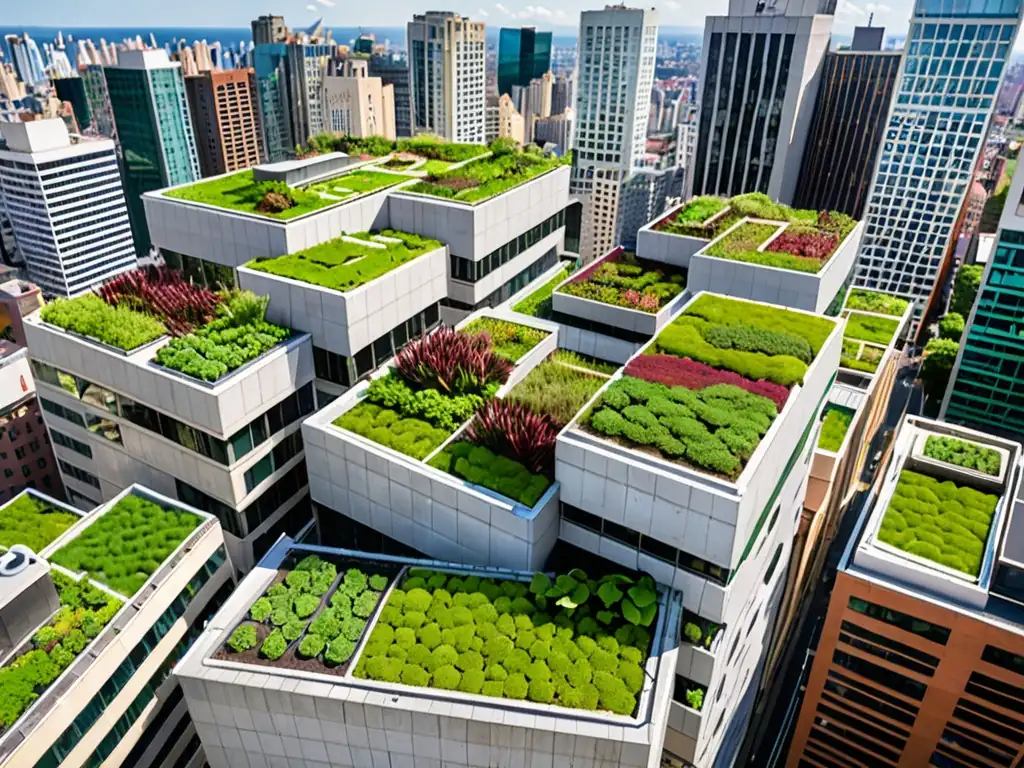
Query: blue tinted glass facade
[269,63]
[523,54]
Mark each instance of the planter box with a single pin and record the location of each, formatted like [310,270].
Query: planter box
[959,475]
[773,285]
[668,247]
[474,231]
[596,344]
[220,408]
[704,515]
[696,663]
[346,322]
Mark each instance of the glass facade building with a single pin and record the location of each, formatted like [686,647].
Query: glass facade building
[269,63]
[955,60]
[523,54]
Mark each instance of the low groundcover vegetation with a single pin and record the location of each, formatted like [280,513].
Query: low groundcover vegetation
[940,521]
[963,454]
[834,427]
[572,641]
[624,281]
[872,301]
[90,316]
[508,340]
[28,521]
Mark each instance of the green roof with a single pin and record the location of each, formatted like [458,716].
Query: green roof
[32,522]
[342,265]
[488,177]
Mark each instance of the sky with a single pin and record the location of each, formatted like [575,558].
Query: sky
[563,14]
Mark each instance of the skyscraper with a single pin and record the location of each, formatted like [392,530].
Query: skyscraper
[986,387]
[357,104]
[28,61]
[760,71]
[849,122]
[523,55]
[952,69]
[96,93]
[66,206]
[616,73]
[269,29]
[72,90]
[226,120]
[147,96]
[394,71]
[447,77]
[563,94]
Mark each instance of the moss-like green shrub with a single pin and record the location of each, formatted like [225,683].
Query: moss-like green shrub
[305,605]
[963,453]
[243,638]
[872,301]
[834,427]
[261,609]
[274,645]
[878,330]
[89,315]
[413,674]
[311,645]
[340,651]
[292,630]
[28,521]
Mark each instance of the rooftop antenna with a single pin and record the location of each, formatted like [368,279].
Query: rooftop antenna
[871,16]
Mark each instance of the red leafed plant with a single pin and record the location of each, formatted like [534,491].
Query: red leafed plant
[452,361]
[512,428]
[813,245]
[684,372]
[165,293]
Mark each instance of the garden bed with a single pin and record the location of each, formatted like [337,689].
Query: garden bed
[797,247]
[311,623]
[241,192]
[962,453]
[88,315]
[880,303]
[538,303]
[126,544]
[834,427]
[622,280]
[558,387]
[511,341]
[940,521]
[355,183]
[861,356]
[703,217]
[572,642]
[343,265]
[32,523]
[870,328]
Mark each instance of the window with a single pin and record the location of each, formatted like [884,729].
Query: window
[78,474]
[1005,659]
[773,564]
[69,442]
[924,629]
[881,675]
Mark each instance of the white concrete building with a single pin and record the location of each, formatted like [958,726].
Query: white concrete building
[447,78]
[115,701]
[760,69]
[67,208]
[613,97]
[356,104]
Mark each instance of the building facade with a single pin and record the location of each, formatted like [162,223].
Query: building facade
[96,93]
[225,119]
[357,104]
[616,73]
[28,60]
[394,71]
[847,131]
[760,70]
[66,205]
[559,130]
[933,135]
[510,122]
[72,90]
[524,54]
[154,130]
[447,76]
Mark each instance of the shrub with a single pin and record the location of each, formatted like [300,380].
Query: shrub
[28,521]
[260,610]
[963,454]
[413,674]
[622,280]
[743,242]
[871,301]
[378,582]
[833,430]
[364,604]
[692,633]
[292,629]
[516,686]
[684,372]
[243,638]
[508,340]
[878,330]
[951,326]
[89,315]
[751,339]
[311,645]
[412,437]
[695,698]
[555,390]
[514,429]
[700,209]
[305,605]
[443,410]
[480,466]
[452,361]
[965,288]
[538,303]
[472,681]
[340,651]
[179,304]
[722,310]
[274,645]
[487,177]
[446,678]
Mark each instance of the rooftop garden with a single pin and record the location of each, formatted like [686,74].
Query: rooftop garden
[963,453]
[561,385]
[876,330]
[311,618]
[623,280]
[939,521]
[709,387]
[127,543]
[348,262]
[85,610]
[860,356]
[88,315]
[436,384]
[425,146]
[275,199]
[508,340]
[538,303]
[572,641]
[505,168]
[33,523]
[834,427]
[879,303]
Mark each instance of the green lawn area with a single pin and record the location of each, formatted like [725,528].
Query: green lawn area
[483,179]
[877,330]
[341,265]
[360,182]
[434,167]
[538,303]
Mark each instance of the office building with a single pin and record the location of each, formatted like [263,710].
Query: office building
[760,71]
[510,122]
[72,90]
[848,126]
[269,29]
[492,119]
[524,54]
[356,104]
[111,639]
[563,94]
[66,203]
[986,387]
[393,70]
[904,250]
[535,101]
[921,652]
[27,59]
[447,78]
[559,130]
[224,106]
[10,86]
[96,93]
[154,130]
[616,73]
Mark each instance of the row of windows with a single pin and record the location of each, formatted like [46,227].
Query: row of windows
[924,629]
[997,692]
[346,371]
[94,424]
[283,452]
[881,675]
[513,286]
[885,648]
[470,271]
[78,474]
[120,677]
[990,720]
[842,689]
[160,716]
[69,442]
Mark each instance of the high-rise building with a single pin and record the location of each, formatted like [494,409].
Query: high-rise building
[269,29]
[28,60]
[535,101]
[922,649]
[364,44]
[225,119]
[559,130]
[492,118]
[67,206]
[524,54]
[616,73]
[147,96]
[447,77]
[96,93]
[848,126]
[934,133]
[10,86]
[563,94]
[510,122]
[357,104]
[72,90]
[393,70]
[760,69]
[986,387]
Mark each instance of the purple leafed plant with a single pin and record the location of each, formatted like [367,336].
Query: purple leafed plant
[812,245]
[513,429]
[165,293]
[683,372]
[452,361]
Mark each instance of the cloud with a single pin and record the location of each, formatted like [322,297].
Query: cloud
[312,8]
[673,5]
[326,3]
[877,8]
[503,9]
[483,13]
[561,15]
[848,9]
